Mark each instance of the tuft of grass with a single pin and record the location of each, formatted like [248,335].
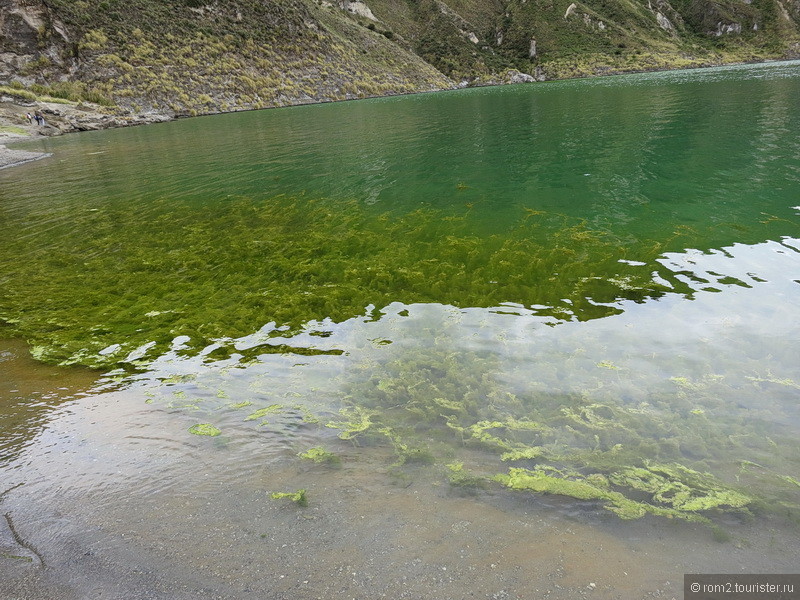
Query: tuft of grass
[12,129]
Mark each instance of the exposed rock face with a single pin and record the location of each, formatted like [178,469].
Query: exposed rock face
[784,12]
[714,19]
[20,26]
[510,76]
[517,77]
[357,8]
[664,22]
[590,22]
[32,41]
[728,29]
[667,17]
[66,118]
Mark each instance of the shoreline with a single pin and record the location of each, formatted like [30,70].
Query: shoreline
[14,158]
[61,117]
[15,128]
[67,117]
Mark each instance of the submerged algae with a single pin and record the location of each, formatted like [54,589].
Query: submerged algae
[242,404]
[595,487]
[433,404]
[571,444]
[681,487]
[523,454]
[286,260]
[461,478]
[205,429]
[359,421]
[299,497]
[263,412]
[320,456]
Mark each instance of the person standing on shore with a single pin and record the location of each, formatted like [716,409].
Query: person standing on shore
[29,116]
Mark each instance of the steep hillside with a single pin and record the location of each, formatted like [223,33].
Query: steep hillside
[556,39]
[198,56]
[183,57]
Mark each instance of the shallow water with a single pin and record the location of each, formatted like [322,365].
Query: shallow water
[593,281]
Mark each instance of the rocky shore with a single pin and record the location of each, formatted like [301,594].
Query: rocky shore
[59,118]
[15,127]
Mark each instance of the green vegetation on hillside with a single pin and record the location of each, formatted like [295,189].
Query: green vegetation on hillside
[193,57]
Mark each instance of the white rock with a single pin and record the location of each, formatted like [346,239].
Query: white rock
[664,22]
[357,7]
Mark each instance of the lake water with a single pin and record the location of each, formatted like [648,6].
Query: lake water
[542,341]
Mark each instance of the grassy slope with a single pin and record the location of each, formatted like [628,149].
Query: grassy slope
[235,55]
[631,28]
[189,57]
[629,38]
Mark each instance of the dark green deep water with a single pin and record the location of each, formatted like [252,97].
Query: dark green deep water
[586,291]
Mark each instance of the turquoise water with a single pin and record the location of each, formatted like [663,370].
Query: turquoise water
[571,304]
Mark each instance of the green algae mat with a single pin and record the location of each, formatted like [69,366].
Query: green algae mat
[580,289]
